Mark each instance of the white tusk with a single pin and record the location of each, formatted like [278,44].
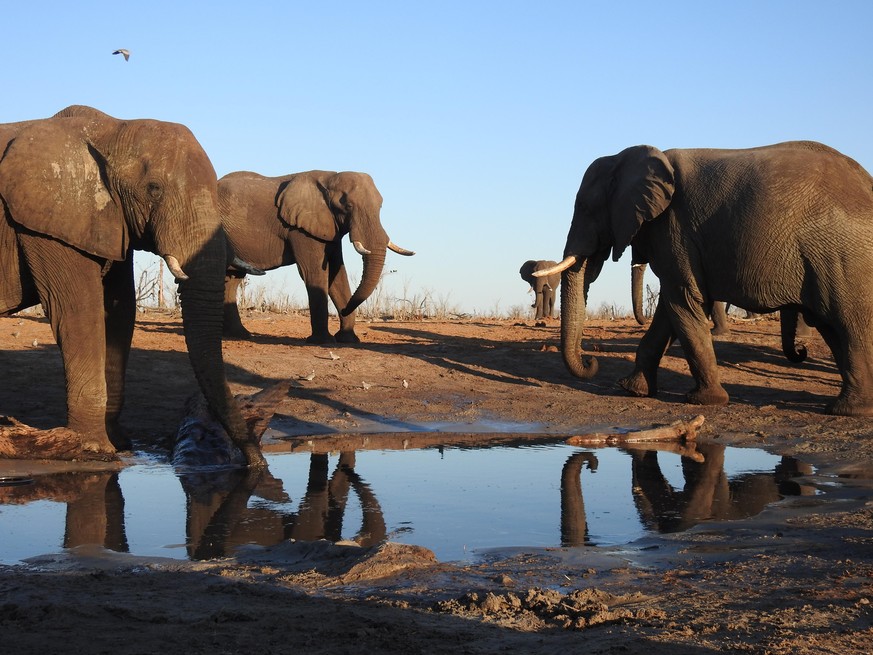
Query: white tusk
[175,267]
[399,250]
[360,248]
[567,262]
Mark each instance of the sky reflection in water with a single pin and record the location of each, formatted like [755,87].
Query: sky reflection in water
[454,501]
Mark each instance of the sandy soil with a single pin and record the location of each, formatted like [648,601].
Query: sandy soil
[796,579]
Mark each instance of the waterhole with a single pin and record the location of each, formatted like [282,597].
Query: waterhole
[455,500]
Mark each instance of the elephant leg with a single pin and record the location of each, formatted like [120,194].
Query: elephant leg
[340,292]
[119,300]
[854,358]
[549,302]
[538,305]
[313,268]
[70,289]
[643,381]
[233,326]
[692,328]
[719,319]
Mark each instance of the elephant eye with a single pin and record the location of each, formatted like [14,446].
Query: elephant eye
[154,191]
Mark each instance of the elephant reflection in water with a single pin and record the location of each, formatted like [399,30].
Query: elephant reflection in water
[708,493]
[95,506]
[220,518]
[574,525]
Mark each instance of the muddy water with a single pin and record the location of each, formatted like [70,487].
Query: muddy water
[456,501]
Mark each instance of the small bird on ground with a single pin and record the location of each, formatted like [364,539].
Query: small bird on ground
[122,51]
[309,377]
[332,355]
[366,385]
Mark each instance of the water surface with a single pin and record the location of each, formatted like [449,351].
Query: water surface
[456,501]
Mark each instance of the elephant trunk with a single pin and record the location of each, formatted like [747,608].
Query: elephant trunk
[372,273]
[637,273]
[794,352]
[573,299]
[202,301]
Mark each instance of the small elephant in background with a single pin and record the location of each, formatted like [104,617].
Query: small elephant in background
[301,219]
[543,287]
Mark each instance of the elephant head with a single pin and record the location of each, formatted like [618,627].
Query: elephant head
[618,195]
[328,205]
[103,187]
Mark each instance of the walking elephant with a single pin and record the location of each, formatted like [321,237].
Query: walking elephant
[794,330]
[301,219]
[786,226]
[543,287]
[80,191]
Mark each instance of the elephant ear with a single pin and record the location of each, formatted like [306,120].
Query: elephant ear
[643,186]
[302,204]
[53,183]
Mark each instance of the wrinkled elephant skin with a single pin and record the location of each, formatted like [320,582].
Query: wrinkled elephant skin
[746,227]
[301,219]
[81,190]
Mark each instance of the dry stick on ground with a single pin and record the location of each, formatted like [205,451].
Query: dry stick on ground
[676,431]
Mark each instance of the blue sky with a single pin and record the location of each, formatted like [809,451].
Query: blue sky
[475,119]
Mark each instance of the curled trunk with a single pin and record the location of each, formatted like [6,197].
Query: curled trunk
[372,273]
[790,321]
[637,273]
[573,301]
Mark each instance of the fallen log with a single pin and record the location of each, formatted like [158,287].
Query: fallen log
[20,441]
[676,431]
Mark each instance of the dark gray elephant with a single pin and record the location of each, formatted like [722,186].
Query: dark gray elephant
[80,191]
[787,226]
[301,219]
[794,330]
[544,288]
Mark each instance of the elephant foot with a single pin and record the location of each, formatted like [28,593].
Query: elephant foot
[320,338]
[237,333]
[845,405]
[118,437]
[347,336]
[97,448]
[713,395]
[720,331]
[638,385]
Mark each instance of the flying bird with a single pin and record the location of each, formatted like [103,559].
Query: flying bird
[122,51]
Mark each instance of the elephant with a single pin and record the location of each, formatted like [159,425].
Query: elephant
[794,330]
[300,219]
[80,191]
[543,287]
[784,226]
